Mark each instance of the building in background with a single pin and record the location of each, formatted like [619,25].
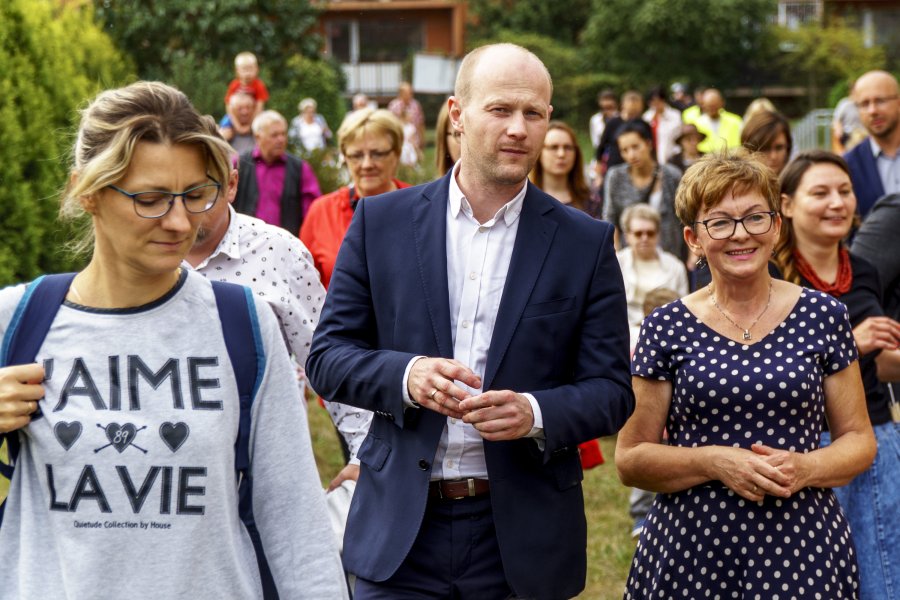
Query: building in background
[373,39]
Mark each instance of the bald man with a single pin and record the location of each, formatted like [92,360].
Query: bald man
[458,314]
[722,128]
[875,162]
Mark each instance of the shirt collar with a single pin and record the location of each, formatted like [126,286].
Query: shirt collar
[257,155]
[876,149]
[229,244]
[509,211]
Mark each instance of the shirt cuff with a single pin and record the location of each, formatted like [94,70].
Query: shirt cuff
[537,430]
[407,401]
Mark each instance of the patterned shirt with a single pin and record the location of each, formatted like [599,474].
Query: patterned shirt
[279,269]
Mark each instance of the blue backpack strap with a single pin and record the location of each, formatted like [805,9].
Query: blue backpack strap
[237,313]
[23,338]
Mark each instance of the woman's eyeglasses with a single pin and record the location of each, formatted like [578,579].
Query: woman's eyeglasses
[155,205]
[756,223]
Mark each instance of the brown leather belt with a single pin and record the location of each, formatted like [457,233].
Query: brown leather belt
[455,489]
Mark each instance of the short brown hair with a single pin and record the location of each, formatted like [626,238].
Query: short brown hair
[708,180]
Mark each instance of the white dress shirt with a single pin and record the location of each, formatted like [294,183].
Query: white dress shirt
[478,257]
[279,269]
[888,168]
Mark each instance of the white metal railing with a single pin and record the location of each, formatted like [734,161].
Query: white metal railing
[376,79]
[814,130]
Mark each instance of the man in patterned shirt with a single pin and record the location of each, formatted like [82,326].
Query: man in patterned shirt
[277,266]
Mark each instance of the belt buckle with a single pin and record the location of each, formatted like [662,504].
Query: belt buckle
[471,485]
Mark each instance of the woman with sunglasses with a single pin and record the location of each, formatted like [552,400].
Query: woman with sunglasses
[125,484]
[743,374]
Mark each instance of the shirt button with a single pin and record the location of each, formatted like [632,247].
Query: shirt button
[450,463]
[452,421]
[465,324]
[473,275]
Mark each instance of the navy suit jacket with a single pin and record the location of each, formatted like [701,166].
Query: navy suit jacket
[867,186]
[561,334]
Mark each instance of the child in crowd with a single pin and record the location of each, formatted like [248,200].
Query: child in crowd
[247,81]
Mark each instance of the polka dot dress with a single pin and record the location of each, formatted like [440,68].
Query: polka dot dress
[706,541]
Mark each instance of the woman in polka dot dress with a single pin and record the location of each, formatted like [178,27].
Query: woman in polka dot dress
[742,374]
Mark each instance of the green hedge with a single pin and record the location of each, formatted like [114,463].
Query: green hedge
[52,59]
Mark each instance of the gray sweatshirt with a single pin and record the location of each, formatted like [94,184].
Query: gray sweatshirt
[125,487]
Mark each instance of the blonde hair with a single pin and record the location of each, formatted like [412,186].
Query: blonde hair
[266,118]
[377,121]
[710,179]
[245,58]
[640,210]
[115,122]
[442,160]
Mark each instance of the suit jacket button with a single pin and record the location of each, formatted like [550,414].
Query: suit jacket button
[423,464]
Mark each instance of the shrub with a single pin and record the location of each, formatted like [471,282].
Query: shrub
[52,59]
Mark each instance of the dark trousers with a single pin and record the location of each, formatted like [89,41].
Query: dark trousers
[454,557]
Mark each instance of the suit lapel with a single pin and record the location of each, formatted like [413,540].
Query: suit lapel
[429,221]
[533,240]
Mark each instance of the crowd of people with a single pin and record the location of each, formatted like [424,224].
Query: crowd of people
[469,337]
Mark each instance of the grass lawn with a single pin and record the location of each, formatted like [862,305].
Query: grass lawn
[606,505]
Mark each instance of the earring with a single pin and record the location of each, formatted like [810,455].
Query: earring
[701,263]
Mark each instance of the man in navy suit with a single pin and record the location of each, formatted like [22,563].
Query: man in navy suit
[485,325]
[875,162]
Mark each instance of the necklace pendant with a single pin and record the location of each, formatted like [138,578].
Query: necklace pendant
[747,335]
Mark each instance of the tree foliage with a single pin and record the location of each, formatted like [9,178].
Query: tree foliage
[820,56]
[192,44]
[52,59]
[575,84]
[656,41]
[561,21]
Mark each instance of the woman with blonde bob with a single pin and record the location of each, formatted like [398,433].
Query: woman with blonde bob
[129,470]
[743,375]
[370,141]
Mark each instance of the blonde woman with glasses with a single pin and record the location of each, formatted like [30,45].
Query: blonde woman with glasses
[370,141]
[127,476]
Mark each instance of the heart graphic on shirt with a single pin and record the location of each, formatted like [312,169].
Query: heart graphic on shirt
[67,433]
[120,436]
[174,434]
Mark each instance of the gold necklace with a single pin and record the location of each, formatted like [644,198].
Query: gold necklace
[746,331]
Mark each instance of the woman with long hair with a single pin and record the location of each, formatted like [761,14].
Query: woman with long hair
[642,179]
[560,169]
[446,143]
[819,209]
[769,134]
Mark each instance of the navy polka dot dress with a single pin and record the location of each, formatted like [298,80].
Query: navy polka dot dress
[706,541]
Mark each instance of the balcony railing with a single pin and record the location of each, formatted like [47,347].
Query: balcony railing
[374,79]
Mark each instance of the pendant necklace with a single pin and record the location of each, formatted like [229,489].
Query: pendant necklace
[747,336]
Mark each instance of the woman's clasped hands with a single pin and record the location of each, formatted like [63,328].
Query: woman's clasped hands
[761,471]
